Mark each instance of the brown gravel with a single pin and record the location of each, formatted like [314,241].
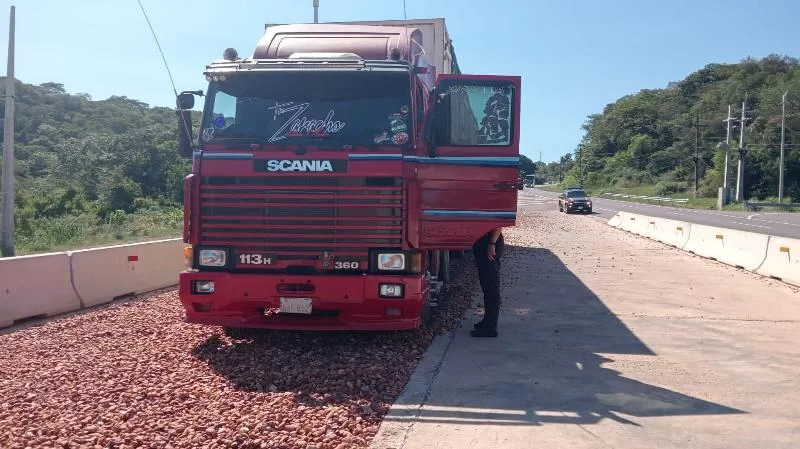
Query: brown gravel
[136,375]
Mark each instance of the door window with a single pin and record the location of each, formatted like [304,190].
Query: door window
[476,114]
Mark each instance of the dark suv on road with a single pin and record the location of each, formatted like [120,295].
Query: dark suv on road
[574,199]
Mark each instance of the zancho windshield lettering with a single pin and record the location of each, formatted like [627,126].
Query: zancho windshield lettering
[298,125]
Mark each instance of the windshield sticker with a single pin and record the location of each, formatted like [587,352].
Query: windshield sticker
[383,137]
[296,125]
[219,121]
[400,138]
[398,126]
[208,134]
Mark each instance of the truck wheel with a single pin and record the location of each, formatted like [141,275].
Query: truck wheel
[444,270]
[426,314]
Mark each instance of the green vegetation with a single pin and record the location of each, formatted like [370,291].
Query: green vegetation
[98,172]
[646,142]
[93,172]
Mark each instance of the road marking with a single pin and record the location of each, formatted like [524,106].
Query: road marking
[752,225]
[777,222]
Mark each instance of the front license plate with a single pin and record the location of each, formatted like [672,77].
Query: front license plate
[296,305]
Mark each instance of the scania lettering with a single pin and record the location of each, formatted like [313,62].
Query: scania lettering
[297,165]
[335,171]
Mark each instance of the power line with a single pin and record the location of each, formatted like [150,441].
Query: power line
[175,90]
[181,113]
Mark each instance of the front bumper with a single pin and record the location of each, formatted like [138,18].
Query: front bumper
[337,302]
[579,207]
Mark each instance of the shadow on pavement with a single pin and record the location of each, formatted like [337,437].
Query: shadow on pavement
[330,367]
[546,366]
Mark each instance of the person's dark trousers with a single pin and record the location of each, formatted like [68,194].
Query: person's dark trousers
[489,276]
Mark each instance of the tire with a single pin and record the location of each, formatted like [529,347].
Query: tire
[457,254]
[425,315]
[434,266]
[444,270]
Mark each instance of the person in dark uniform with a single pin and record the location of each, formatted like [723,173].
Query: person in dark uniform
[488,250]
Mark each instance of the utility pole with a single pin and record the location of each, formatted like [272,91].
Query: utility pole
[580,164]
[316,11]
[742,153]
[540,156]
[7,221]
[696,150]
[725,183]
[783,132]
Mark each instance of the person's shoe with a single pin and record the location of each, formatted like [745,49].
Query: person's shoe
[479,325]
[483,332]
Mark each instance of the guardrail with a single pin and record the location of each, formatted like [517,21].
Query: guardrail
[767,255]
[44,285]
[756,206]
[659,199]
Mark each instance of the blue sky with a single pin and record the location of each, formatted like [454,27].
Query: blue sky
[574,56]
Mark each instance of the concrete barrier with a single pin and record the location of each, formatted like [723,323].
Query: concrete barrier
[634,223]
[742,249]
[35,286]
[616,220]
[783,260]
[101,275]
[672,232]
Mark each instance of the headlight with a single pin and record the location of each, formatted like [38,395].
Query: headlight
[212,257]
[391,291]
[392,261]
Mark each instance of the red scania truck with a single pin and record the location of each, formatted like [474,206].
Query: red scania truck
[334,171]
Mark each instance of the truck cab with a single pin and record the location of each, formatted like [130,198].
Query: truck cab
[333,172]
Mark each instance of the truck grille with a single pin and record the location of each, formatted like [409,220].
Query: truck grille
[298,219]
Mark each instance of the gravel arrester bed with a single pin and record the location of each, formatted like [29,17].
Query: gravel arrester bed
[133,374]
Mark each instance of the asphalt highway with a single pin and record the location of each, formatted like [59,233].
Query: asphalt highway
[778,224]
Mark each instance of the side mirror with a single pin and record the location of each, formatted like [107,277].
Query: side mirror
[430,134]
[437,118]
[185,100]
[185,103]
[185,141]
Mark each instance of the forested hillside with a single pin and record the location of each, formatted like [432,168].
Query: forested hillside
[649,138]
[93,172]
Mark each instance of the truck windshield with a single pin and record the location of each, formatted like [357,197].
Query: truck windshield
[310,108]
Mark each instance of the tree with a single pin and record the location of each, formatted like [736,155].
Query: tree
[649,137]
[526,165]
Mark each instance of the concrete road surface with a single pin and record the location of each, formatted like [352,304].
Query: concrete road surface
[780,224]
[609,340]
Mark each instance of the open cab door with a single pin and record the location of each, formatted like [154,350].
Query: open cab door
[466,177]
